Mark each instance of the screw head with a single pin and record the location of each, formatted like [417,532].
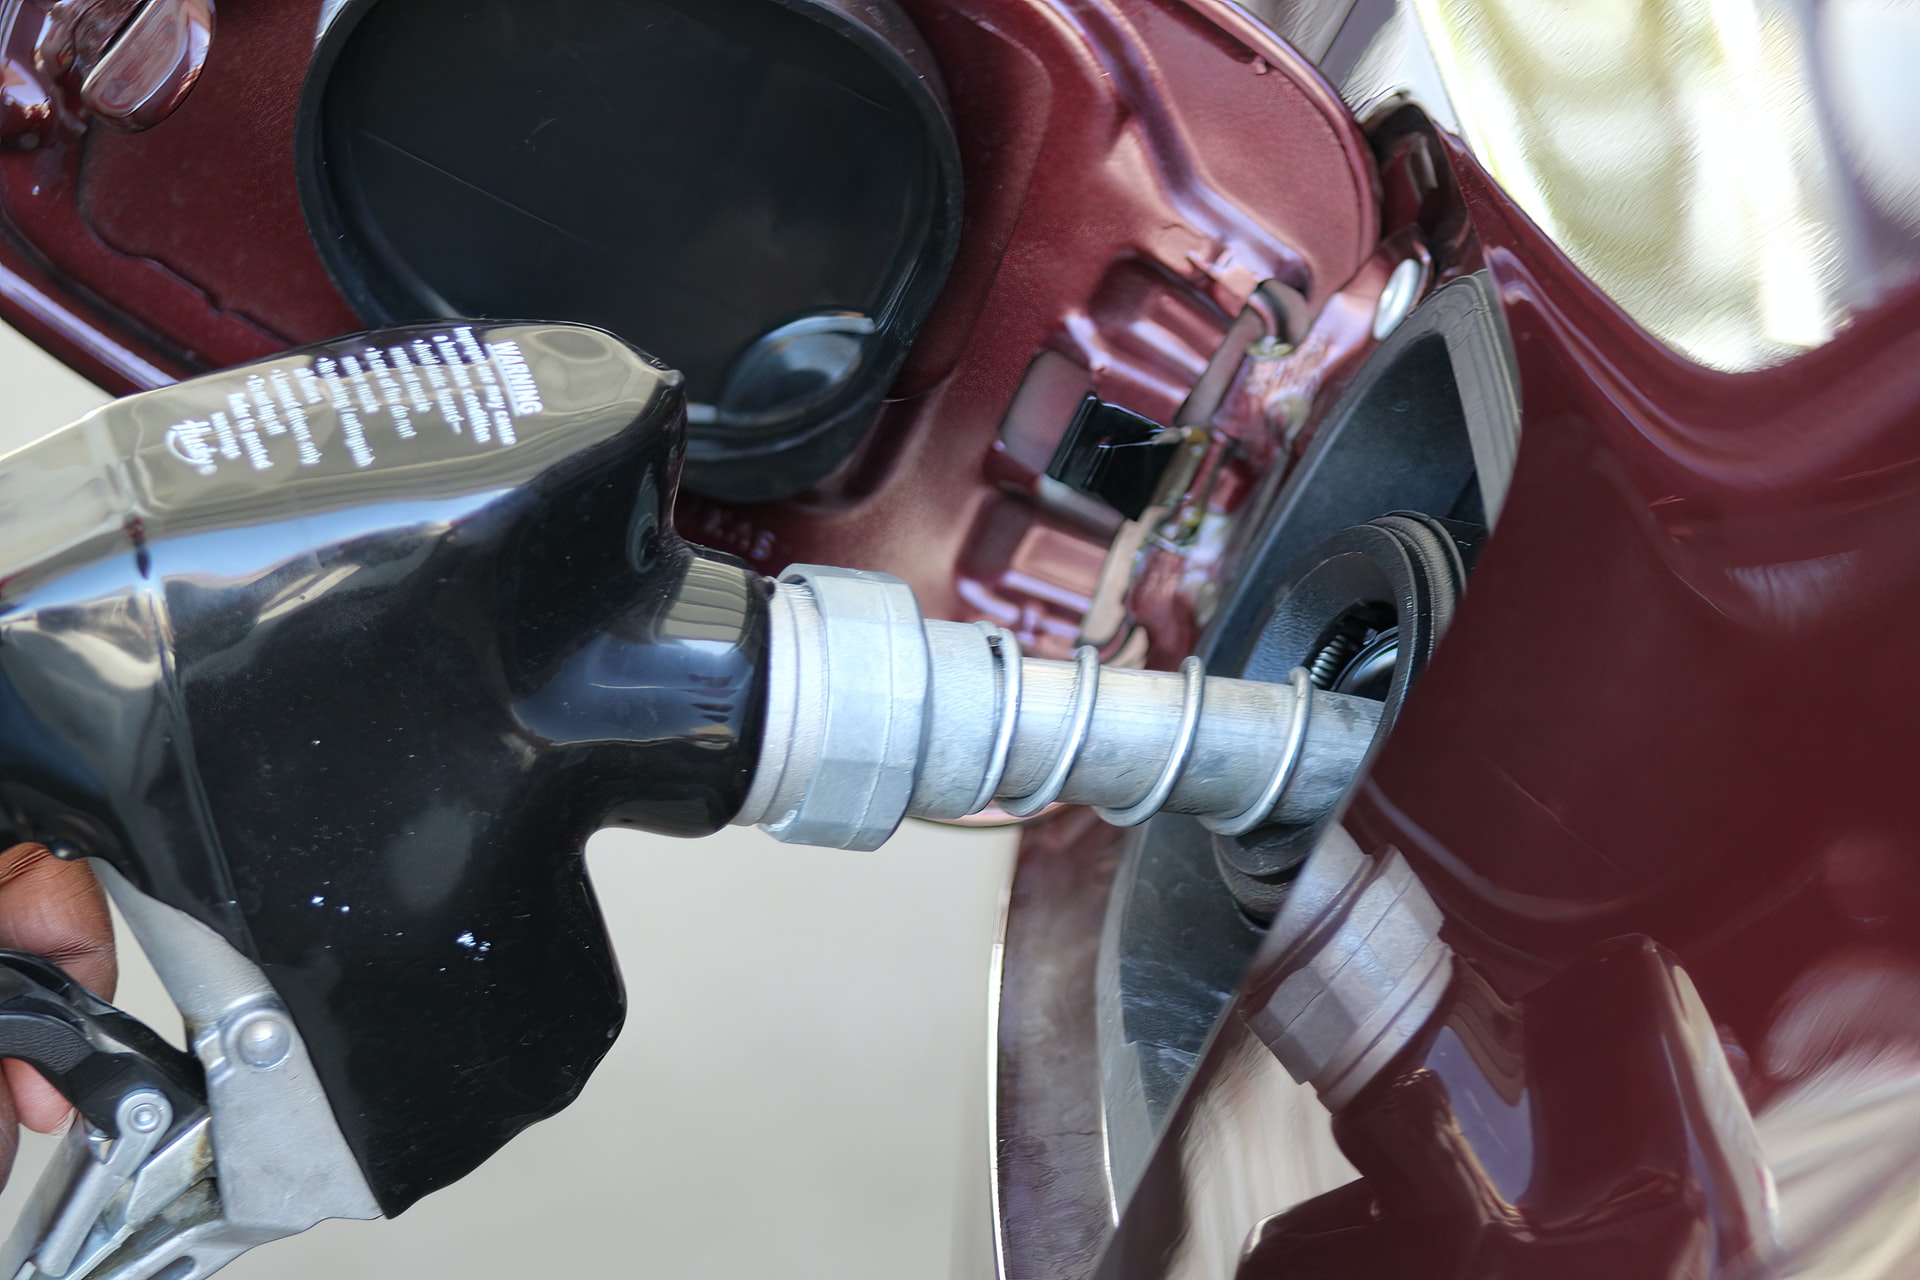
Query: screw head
[1403,289]
[263,1041]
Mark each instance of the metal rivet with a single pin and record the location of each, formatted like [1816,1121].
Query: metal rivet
[263,1041]
[144,1118]
[1397,299]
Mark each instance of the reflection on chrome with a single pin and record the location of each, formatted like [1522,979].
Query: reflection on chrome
[1740,176]
[1840,1139]
[1257,1142]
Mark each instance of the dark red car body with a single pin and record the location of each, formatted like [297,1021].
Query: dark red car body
[1671,708]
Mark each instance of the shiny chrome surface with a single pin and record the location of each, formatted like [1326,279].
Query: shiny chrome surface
[1053,1202]
[1404,287]
[150,66]
[1066,754]
[126,63]
[1238,757]
[1003,650]
[1245,1138]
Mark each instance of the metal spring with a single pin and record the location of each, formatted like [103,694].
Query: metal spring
[1193,677]
[1256,813]
[1086,693]
[1005,648]
[1334,655]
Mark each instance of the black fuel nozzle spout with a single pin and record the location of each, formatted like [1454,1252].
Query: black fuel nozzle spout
[344,654]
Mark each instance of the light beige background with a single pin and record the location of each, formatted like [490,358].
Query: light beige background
[800,1090]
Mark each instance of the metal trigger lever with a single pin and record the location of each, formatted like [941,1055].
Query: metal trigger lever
[94,1054]
[138,1098]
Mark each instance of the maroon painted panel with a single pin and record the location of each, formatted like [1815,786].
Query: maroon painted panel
[1676,675]
[1578,1134]
[210,194]
[54,197]
[1674,701]
[1671,709]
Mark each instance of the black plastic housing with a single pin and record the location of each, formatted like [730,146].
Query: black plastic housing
[345,654]
[1112,454]
[694,175]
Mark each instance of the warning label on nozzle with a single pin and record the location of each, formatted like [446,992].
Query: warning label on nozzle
[364,401]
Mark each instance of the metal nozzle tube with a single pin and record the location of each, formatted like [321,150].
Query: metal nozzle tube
[1135,727]
[875,715]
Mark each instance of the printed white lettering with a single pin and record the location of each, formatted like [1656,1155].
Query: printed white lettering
[519,379]
[188,442]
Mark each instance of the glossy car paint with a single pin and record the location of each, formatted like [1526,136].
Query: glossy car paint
[1480,1154]
[354,691]
[1629,732]
[1685,758]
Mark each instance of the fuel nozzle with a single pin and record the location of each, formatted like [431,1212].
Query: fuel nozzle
[336,660]
[875,714]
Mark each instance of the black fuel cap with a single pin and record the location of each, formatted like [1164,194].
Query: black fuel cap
[764,192]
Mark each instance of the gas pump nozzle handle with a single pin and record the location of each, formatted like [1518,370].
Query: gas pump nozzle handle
[333,662]
[342,656]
